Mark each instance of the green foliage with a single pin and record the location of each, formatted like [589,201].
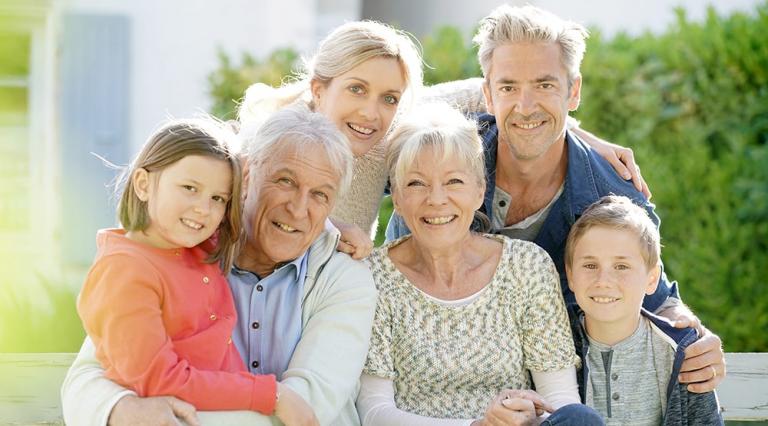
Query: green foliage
[28,325]
[449,56]
[228,82]
[693,104]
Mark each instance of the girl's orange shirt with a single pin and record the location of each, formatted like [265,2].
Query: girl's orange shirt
[162,321]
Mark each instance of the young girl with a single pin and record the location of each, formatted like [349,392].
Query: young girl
[156,301]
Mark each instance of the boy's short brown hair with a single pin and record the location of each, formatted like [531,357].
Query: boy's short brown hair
[617,212]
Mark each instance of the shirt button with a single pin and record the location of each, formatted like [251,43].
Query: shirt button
[212,317]
[614,376]
[255,364]
[255,324]
[259,287]
[502,203]
[206,280]
[615,396]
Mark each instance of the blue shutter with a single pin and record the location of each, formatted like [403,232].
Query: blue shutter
[93,116]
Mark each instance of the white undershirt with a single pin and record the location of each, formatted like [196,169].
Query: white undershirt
[376,401]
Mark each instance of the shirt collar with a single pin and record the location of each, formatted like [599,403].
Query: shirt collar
[296,266]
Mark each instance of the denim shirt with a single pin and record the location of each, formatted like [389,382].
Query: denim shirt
[588,178]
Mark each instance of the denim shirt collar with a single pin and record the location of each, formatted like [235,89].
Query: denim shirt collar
[574,198]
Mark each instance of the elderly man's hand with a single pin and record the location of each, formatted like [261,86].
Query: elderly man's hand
[155,411]
[704,365]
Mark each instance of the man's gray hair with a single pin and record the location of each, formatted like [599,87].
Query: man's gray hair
[297,127]
[528,24]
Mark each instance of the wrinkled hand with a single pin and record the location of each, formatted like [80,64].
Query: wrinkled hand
[704,365]
[354,241]
[155,411]
[622,159]
[292,410]
[514,407]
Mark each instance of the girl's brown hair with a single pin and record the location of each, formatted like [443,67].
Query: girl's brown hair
[169,144]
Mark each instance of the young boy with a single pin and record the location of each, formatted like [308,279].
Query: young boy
[631,358]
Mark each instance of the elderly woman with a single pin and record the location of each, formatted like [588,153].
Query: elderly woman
[462,317]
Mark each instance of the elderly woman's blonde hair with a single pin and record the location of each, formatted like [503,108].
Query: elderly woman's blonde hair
[440,127]
[618,212]
[346,47]
[528,24]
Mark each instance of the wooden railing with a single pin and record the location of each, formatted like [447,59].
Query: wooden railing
[30,382]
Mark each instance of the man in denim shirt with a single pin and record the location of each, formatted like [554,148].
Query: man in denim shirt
[540,177]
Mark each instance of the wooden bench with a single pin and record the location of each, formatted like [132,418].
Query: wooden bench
[29,388]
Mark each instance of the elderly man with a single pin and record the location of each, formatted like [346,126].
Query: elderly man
[540,176]
[304,309]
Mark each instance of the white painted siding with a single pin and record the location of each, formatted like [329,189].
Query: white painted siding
[610,15]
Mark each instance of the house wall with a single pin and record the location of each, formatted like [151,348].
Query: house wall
[173,47]
[611,16]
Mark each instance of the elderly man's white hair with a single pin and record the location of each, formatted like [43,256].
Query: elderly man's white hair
[297,127]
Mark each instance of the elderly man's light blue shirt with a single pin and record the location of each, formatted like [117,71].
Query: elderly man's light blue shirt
[268,316]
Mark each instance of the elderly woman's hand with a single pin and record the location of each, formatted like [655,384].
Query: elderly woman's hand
[514,407]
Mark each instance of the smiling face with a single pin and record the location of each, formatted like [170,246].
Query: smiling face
[437,198]
[288,199]
[527,90]
[186,201]
[609,277]
[362,101]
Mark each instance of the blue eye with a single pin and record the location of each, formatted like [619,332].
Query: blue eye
[356,89]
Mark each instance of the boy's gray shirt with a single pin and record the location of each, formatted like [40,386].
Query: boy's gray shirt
[681,406]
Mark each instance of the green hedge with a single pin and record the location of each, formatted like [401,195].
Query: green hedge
[693,104]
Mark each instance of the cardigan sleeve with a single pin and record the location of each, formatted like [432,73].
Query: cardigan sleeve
[87,397]
[325,367]
[121,308]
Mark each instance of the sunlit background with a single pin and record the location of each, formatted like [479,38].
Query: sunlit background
[97,76]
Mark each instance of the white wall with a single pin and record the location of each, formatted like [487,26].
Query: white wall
[611,16]
[174,46]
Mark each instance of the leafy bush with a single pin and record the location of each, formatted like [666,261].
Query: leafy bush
[693,104]
[29,326]
[228,82]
